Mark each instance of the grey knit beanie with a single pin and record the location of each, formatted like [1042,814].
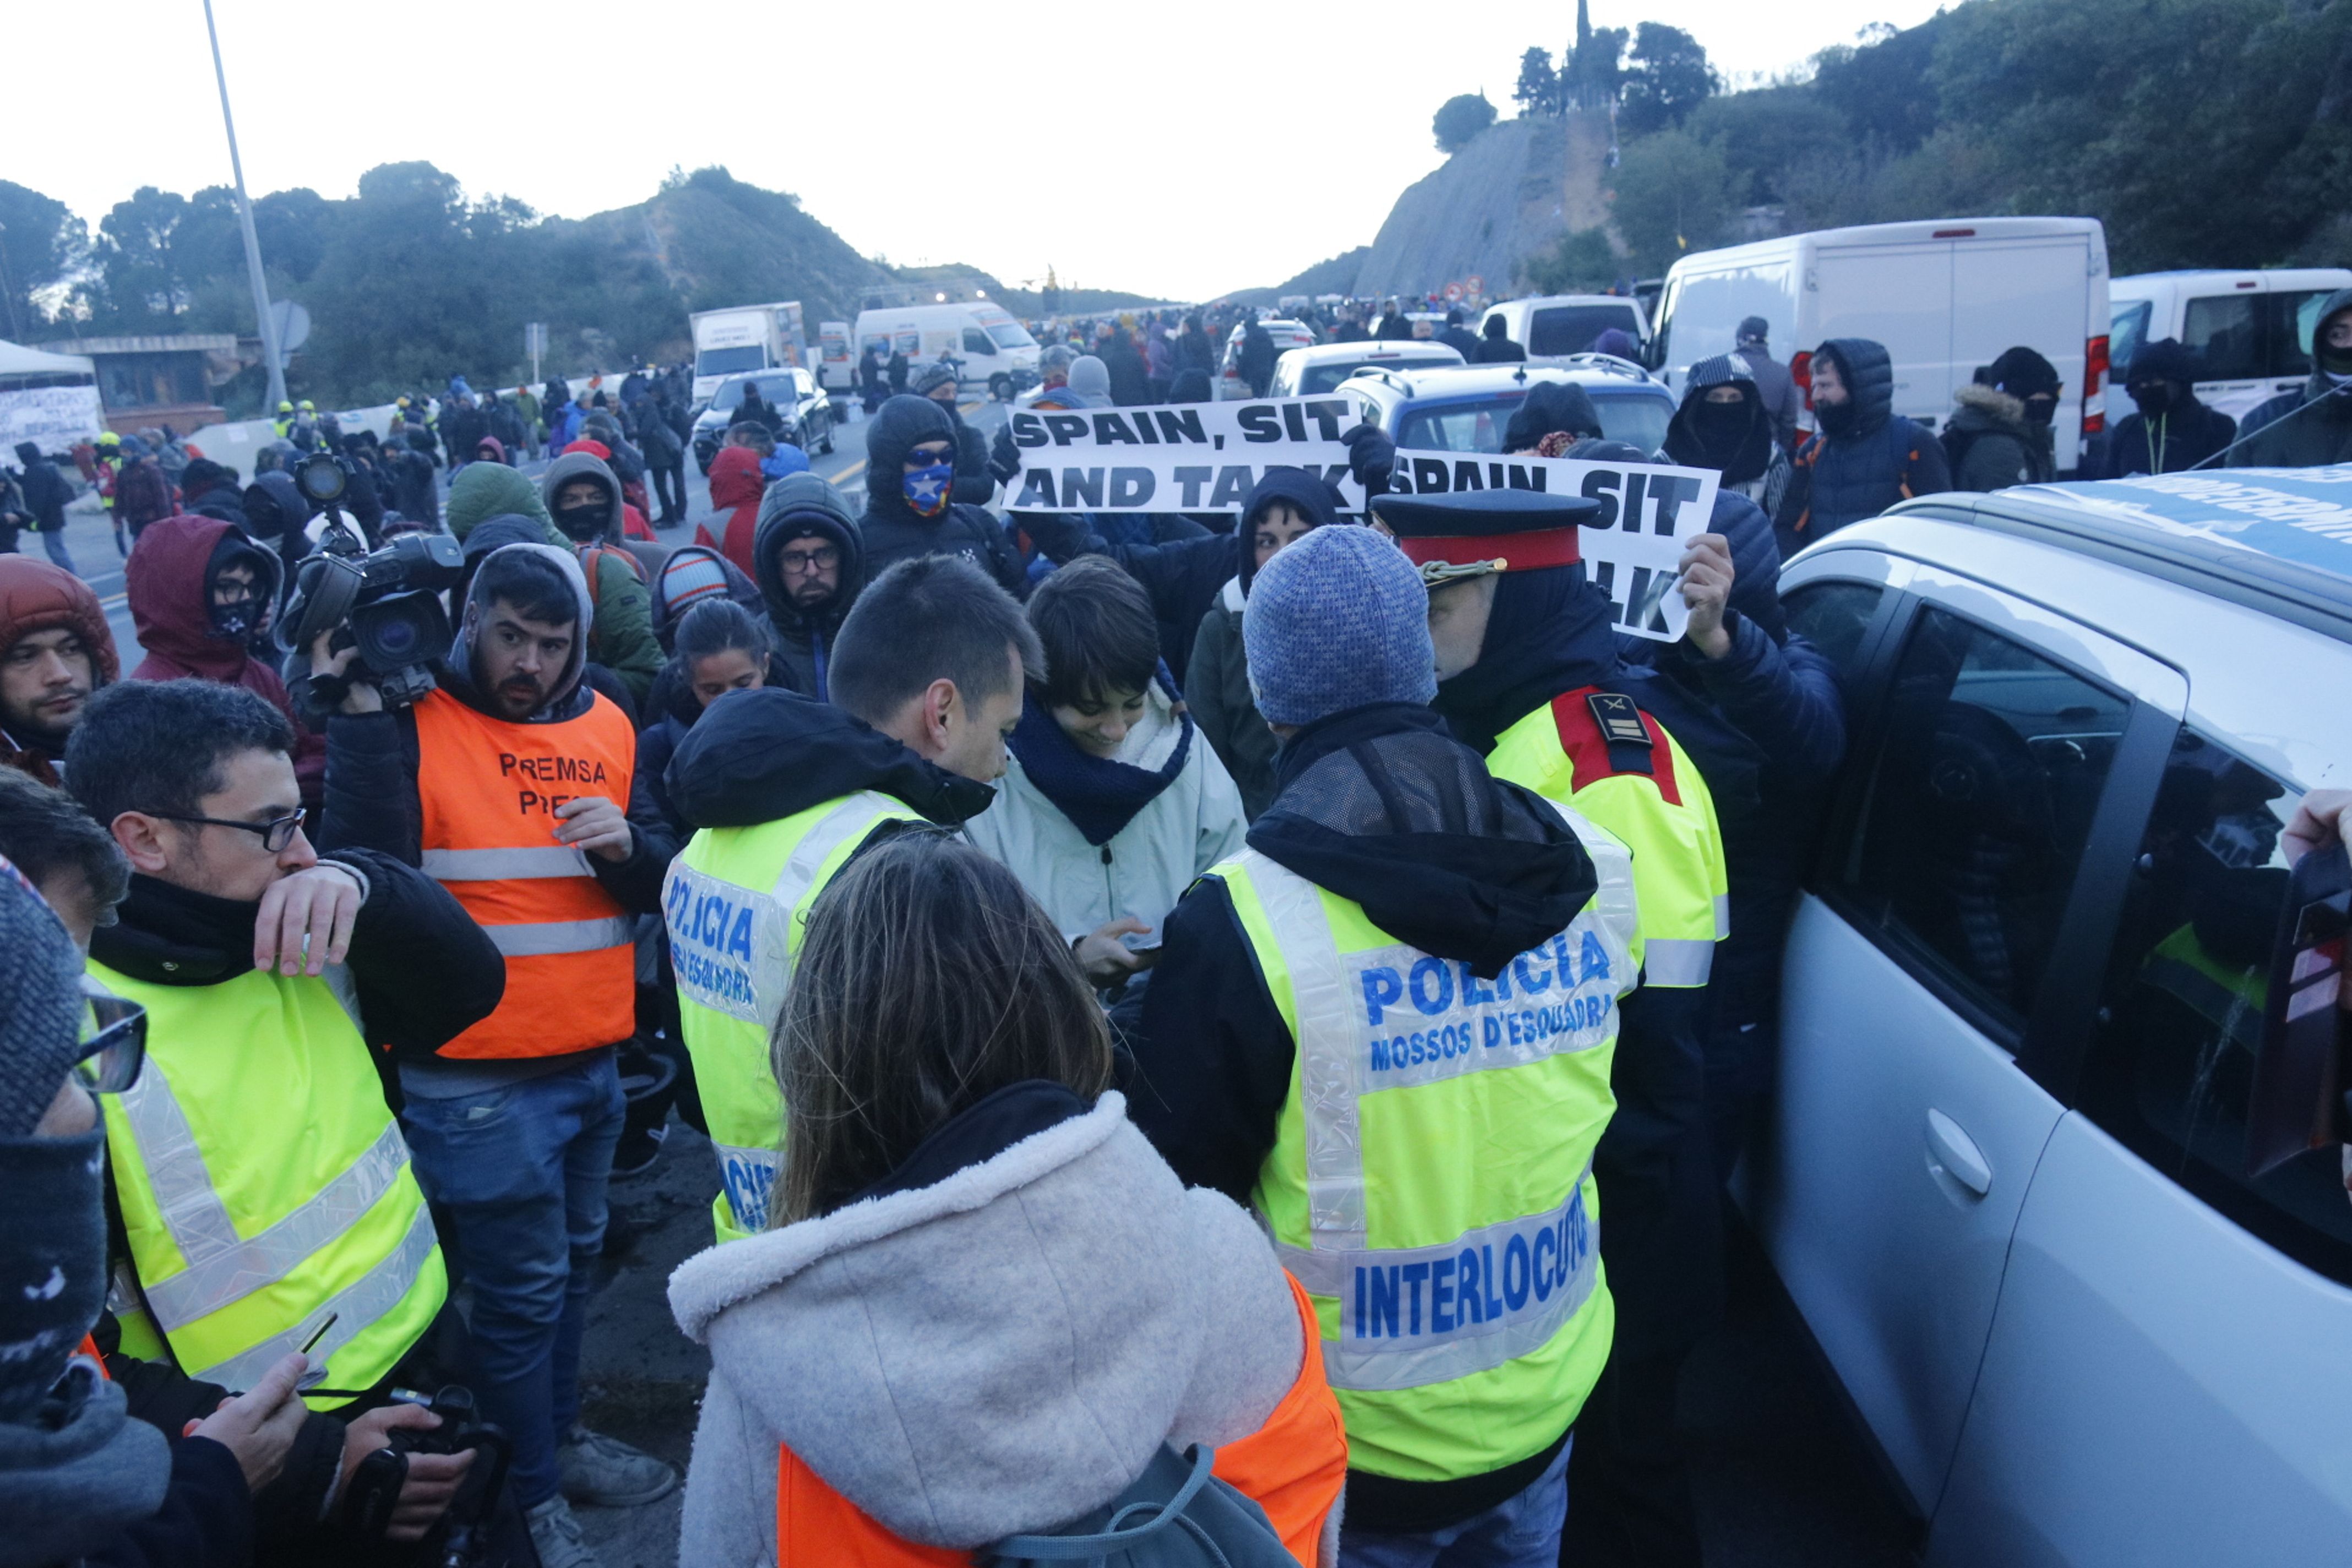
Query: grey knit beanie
[40,1004]
[1338,620]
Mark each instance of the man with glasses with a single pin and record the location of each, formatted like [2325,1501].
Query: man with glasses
[265,1190]
[810,563]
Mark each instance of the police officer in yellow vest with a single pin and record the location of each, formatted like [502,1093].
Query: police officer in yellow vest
[1528,675]
[265,1192]
[926,682]
[503,785]
[1388,1026]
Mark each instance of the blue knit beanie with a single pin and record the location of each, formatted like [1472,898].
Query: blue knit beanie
[1338,620]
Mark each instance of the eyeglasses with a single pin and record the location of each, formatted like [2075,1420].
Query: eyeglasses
[113,1040]
[276,834]
[796,563]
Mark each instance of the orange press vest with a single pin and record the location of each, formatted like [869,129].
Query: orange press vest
[1292,1466]
[488,790]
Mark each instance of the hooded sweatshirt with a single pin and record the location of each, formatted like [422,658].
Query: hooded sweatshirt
[2281,434]
[1734,439]
[168,581]
[620,638]
[2177,431]
[1380,806]
[736,484]
[35,596]
[893,531]
[273,510]
[995,1340]
[805,507]
[1216,676]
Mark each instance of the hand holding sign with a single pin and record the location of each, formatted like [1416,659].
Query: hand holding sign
[1706,577]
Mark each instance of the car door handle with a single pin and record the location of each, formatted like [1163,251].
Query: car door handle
[1952,1153]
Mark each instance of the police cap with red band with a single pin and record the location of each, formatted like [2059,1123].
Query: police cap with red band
[1451,537]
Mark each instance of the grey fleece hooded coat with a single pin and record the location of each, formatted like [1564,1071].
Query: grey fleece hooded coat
[621,636]
[1001,1351]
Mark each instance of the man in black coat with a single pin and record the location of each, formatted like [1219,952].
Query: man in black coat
[46,495]
[2169,430]
[1258,356]
[911,447]
[1458,337]
[1497,347]
[664,454]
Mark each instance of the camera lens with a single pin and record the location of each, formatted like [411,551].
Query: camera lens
[401,630]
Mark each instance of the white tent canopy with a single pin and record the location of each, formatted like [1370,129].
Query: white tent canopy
[16,359]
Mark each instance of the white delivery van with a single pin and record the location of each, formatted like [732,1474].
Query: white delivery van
[990,347]
[745,338]
[837,362]
[1945,295]
[2252,329]
[1552,326]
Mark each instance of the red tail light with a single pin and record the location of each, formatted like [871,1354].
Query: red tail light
[1800,369]
[2095,379]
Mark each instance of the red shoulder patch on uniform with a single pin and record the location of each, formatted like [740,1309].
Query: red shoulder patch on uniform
[1582,737]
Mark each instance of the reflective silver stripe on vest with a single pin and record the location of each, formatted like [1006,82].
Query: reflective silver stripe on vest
[519,865]
[184,1199]
[1722,916]
[1677,960]
[1413,1316]
[358,1307]
[1331,1041]
[215,1280]
[747,1177]
[536,941]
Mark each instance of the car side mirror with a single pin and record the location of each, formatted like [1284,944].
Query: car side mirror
[2297,1102]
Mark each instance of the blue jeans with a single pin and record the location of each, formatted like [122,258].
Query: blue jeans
[1520,1532]
[520,1174]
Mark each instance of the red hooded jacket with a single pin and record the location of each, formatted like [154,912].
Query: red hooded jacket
[735,482]
[167,582]
[35,596]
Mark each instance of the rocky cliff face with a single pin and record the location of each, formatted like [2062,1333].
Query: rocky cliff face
[1506,197]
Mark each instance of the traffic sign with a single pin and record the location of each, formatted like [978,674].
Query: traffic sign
[1476,285]
[1454,293]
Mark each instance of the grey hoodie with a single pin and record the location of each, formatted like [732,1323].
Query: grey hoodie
[1001,1351]
[583,464]
[461,657]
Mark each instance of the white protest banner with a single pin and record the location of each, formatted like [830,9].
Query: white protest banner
[51,418]
[1632,550]
[1206,457]
[1186,457]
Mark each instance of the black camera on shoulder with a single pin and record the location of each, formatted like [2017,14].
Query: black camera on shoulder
[386,604]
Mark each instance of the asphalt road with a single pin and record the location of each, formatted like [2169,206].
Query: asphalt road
[1781,1480]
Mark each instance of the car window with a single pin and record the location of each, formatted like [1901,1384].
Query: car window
[976,342]
[1570,329]
[1479,426]
[1634,418]
[2180,1019]
[727,362]
[1988,768]
[1011,335]
[2127,331]
[728,395]
[1834,616]
[2294,317]
[2226,330]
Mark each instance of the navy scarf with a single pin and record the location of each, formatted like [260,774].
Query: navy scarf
[1100,797]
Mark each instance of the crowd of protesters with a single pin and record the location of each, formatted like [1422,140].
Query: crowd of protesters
[1026,909]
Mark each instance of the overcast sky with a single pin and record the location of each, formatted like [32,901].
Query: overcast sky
[1176,153]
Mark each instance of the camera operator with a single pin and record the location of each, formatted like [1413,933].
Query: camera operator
[266,1197]
[501,783]
[200,591]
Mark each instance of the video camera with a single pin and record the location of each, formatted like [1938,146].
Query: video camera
[387,604]
[463,1537]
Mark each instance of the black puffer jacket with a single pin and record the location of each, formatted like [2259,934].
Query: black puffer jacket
[2288,433]
[1879,458]
[893,532]
[799,506]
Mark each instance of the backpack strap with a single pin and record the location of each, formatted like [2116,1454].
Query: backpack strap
[1120,1536]
[593,556]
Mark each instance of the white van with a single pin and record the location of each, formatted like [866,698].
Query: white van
[2253,330]
[992,349]
[1551,327]
[1945,295]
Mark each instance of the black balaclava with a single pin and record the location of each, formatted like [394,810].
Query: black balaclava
[240,618]
[583,524]
[2334,363]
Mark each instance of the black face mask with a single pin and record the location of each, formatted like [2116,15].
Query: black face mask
[2154,398]
[236,619]
[2041,410]
[1721,423]
[1837,418]
[583,524]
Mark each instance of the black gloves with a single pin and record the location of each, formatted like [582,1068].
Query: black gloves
[1003,456]
[1371,457]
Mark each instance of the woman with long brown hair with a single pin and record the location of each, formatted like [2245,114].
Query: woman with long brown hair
[984,1303]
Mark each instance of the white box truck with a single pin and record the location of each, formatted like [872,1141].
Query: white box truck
[744,338]
[1945,295]
[2251,330]
[990,348]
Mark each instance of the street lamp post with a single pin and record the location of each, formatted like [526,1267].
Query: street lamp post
[252,242]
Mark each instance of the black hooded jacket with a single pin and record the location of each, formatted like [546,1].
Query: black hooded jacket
[45,490]
[892,531]
[1551,405]
[802,506]
[1461,865]
[2287,432]
[1874,460]
[276,513]
[2177,435]
[757,756]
